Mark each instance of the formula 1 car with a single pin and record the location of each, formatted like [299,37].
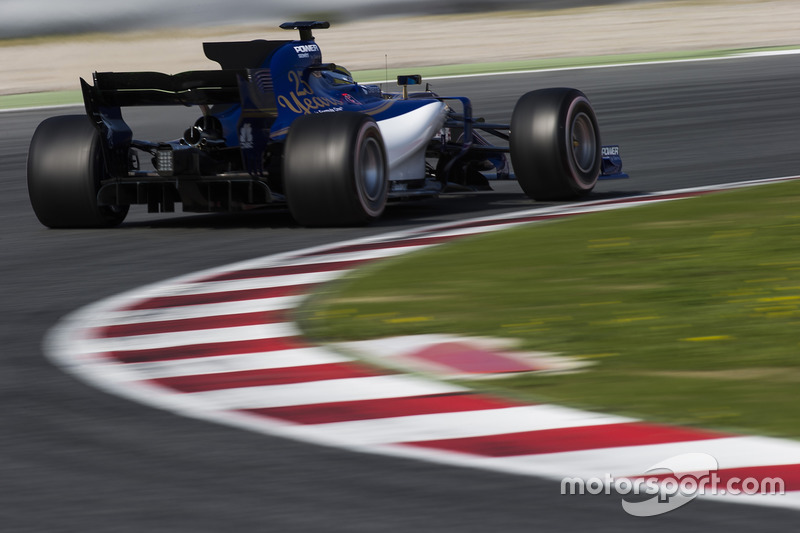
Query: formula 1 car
[280,127]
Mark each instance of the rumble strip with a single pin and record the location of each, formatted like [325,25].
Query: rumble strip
[220,345]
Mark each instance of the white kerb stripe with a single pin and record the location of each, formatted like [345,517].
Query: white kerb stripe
[457,425]
[141,316]
[189,338]
[326,391]
[235,363]
[731,452]
[268,282]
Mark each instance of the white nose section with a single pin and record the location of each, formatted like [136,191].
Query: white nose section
[406,137]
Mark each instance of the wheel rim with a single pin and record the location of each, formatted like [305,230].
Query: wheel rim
[371,179]
[584,143]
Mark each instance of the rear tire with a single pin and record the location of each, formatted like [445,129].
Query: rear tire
[555,144]
[334,169]
[65,167]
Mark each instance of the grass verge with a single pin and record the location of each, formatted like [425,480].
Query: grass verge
[690,309]
[20,101]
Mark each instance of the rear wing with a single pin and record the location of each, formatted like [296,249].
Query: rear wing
[201,87]
[124,89]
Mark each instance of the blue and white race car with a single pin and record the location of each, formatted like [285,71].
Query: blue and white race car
[278,126]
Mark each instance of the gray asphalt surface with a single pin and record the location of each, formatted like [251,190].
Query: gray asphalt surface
[75,459]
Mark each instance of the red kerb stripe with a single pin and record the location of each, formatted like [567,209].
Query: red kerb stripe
[387,245]
[180,300]
[208,350]
[382,408]
[734,477]
[264,377]
[285,270]
[191,324]
[569,439]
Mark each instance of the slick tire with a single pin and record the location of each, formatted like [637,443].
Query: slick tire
[555,144]
[65,168]
[334,169]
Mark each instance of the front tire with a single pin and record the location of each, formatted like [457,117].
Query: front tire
[65,167]
[555,144]
[334,169]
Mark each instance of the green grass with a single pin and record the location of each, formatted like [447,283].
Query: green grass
[689,309]
[17,101]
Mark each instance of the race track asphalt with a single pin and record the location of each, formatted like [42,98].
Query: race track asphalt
[75,459]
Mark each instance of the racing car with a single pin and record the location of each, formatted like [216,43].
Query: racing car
[278,126]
